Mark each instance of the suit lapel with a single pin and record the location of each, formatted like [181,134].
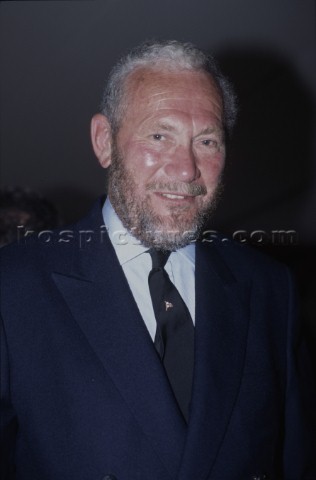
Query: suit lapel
[220,343]
[99,298]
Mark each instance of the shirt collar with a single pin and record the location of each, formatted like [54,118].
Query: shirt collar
[126,245]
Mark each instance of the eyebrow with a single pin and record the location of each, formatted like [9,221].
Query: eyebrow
[209,130]
[218,131]
[166,126]
[206,131]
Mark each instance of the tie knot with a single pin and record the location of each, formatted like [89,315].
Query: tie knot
[159,257]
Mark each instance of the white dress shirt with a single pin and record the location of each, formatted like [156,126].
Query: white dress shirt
[136,263]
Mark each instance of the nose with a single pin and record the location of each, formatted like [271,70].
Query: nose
[182,165]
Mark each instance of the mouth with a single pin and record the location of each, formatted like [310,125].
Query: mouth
[176,190]
[174,196]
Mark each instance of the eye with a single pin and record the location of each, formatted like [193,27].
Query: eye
[210,142]
[157,136]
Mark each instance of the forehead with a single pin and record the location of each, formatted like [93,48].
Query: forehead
[150,91]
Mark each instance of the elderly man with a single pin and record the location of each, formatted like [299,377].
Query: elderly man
[142,353]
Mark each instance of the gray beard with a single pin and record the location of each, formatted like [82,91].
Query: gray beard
[139,219]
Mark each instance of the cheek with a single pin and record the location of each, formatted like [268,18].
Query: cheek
[142,157]
[149,160]
[211,171]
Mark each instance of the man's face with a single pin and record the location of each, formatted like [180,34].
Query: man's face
[168,156]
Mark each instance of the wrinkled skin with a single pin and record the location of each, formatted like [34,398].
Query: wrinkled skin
[167,157]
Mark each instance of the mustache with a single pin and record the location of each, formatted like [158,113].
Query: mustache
[191,189]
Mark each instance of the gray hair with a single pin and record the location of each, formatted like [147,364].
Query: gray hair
[171,55]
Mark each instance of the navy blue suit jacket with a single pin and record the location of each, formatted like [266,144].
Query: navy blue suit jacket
[85,397]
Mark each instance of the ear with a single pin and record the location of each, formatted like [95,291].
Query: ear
[101,138]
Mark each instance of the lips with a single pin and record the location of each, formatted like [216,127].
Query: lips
[172,196]
[175,197]
[176,190]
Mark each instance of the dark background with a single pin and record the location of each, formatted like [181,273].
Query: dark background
[54,58]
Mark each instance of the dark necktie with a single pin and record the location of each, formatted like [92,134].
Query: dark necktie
[174,340]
